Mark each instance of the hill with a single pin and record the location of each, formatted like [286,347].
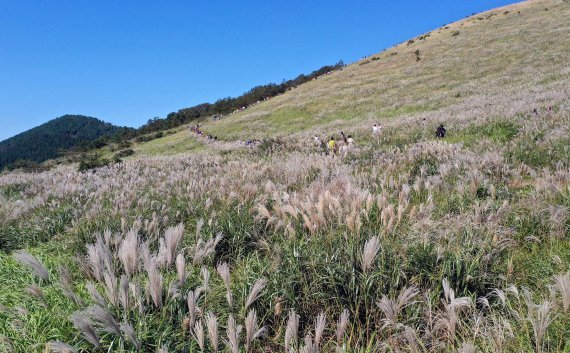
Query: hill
[48,140]
[407,242]
[501,63]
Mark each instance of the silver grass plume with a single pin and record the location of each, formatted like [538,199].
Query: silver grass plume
[124,292]
[206,278]
[212,324]
[27,259]
[292,330]
[539,316]
[82,323]
[392,308]
[204,249]
[341,326]
[128,252]
[99,257]
[181,268]
[192,301]
[60,347]
[130,334]
[105,319]
[199,335]
[224,272]
[172,237]
[320,323]
[66,285]
[233,331]
[255,292]
[154,285]
[94,293]
[111,288]
[369,252]
[562,283]
[309,347]
[37,292]
[251,330]
[199,225]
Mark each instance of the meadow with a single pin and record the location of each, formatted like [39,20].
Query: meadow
[410,243]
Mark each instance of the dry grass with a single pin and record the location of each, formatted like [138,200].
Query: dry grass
[406,244]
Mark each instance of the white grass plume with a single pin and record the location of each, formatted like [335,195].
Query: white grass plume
[199,335]
[292,330]
[27,259]
[233,332]
[255,292]
[251,330]
[181,268]
[130,334]
[83,323]
[540,317]
[341,326]
[212,324]
[562,283]
[128,252]
[320,324]
[59,347]
[369,252]
[172,237]
[224,272]
[105,319]
[392,308]
[154,286]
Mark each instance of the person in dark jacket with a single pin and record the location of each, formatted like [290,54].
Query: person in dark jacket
[440,132]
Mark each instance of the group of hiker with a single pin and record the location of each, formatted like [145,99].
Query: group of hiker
[346,143]
[343,145]
[196,129]
[332,147]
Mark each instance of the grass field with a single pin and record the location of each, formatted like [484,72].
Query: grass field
[409,243]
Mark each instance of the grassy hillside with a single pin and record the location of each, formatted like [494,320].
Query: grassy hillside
[495,64]
[48,140]
[408,243]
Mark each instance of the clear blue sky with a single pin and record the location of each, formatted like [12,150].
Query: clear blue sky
[128,61]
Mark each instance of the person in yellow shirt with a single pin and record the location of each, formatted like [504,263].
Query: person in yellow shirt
[332,145]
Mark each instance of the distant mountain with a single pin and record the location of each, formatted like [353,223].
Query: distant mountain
[62,134]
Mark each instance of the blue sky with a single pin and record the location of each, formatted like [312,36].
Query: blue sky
[128,61]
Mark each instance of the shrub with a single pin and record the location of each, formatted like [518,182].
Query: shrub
[92,161]
[124,153]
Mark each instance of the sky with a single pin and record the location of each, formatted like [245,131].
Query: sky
[129,61]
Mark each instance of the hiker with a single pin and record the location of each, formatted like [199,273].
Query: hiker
[350,142]
[440,132]
[343,136]
[535,112]
[347,146]
[324,147]
[376,130]
[332,146]
[317,140]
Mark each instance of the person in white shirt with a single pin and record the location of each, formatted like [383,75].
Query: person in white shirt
[376,129]
[317,140]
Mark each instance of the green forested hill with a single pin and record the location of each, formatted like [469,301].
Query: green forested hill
[47,140]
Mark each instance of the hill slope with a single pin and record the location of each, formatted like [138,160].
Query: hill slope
[501,62]
[47,140]
[408,243]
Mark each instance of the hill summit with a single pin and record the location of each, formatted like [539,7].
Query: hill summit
[47,140]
